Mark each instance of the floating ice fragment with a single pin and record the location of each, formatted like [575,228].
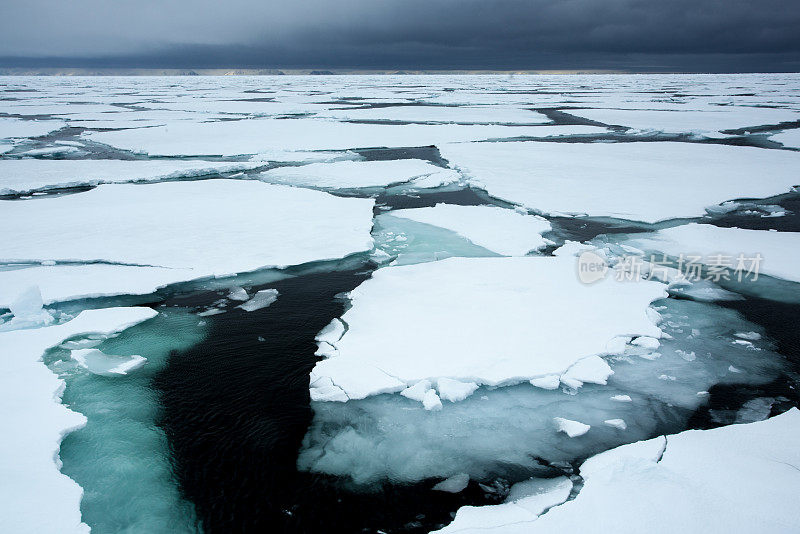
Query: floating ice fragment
[592,369]
[546,382]
[96,362]
[616,423]
[418,391]
[454,390]
[238,293]
[431,401]
[260,300]
[646,342]
[571,428]
[621,398]
[454,484]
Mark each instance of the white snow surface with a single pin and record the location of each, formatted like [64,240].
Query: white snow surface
[481,320]
[68,282]
[707,122]
[788,138]
[11,128]
[780,251]
[258,135]
[34,495]
[23,175]
[357,174]
[497,229]
[526,502]
[740,478]
[213,227]
[646,182]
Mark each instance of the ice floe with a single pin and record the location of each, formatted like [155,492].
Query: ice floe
[740,478]
[260,300]
[490,321]
[788,138]
[253,136]
[17,128]
[213,227]
[361,174]
[526,502]
[21,176]
[779,251]
[708,122]
[646,182]
[500,230]
[35,496]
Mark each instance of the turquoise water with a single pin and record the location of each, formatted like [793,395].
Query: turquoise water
[121,457]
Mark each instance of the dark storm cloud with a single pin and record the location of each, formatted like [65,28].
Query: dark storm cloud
[723,35]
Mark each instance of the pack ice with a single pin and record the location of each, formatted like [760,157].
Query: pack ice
[25,175]
[646,182]
[492,321]
[165,232]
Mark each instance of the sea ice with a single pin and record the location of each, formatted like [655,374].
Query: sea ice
[741,478]
[95,361]
[360,174]
[26,175]
[788,138]
[454,484]
[527,501]
[213,227]
[232,138]
[17,128]
[261,299]
[500,230]
[68,282]
[480,320]
[779,251]
[646,182]
[707,123]
[571,428]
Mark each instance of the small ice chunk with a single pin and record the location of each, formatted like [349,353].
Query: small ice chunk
[571,428]
[260,300]
[616,423]
[454,484]
[546,382]
[238,293]
[751,336]
[210,311]
[418,391]
[431,400]
[617,345]
[326,350]
[621,398]
[28,310]
[592,369]
[646,342]
[733,369]
[332,333]
[99,363]
[455,390]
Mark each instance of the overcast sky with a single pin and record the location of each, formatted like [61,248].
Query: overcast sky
[650,35]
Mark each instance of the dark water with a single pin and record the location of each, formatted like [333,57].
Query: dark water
[236,409]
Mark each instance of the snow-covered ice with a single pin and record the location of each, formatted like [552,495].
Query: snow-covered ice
[213,227]
[261,299]
[646,182]
[738,478]
[17,128]
[779,251]
[788,138]
[360,174]
[36,497]
[500,230]
[21,176]
[490,321]
[257,135]
[526,502]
